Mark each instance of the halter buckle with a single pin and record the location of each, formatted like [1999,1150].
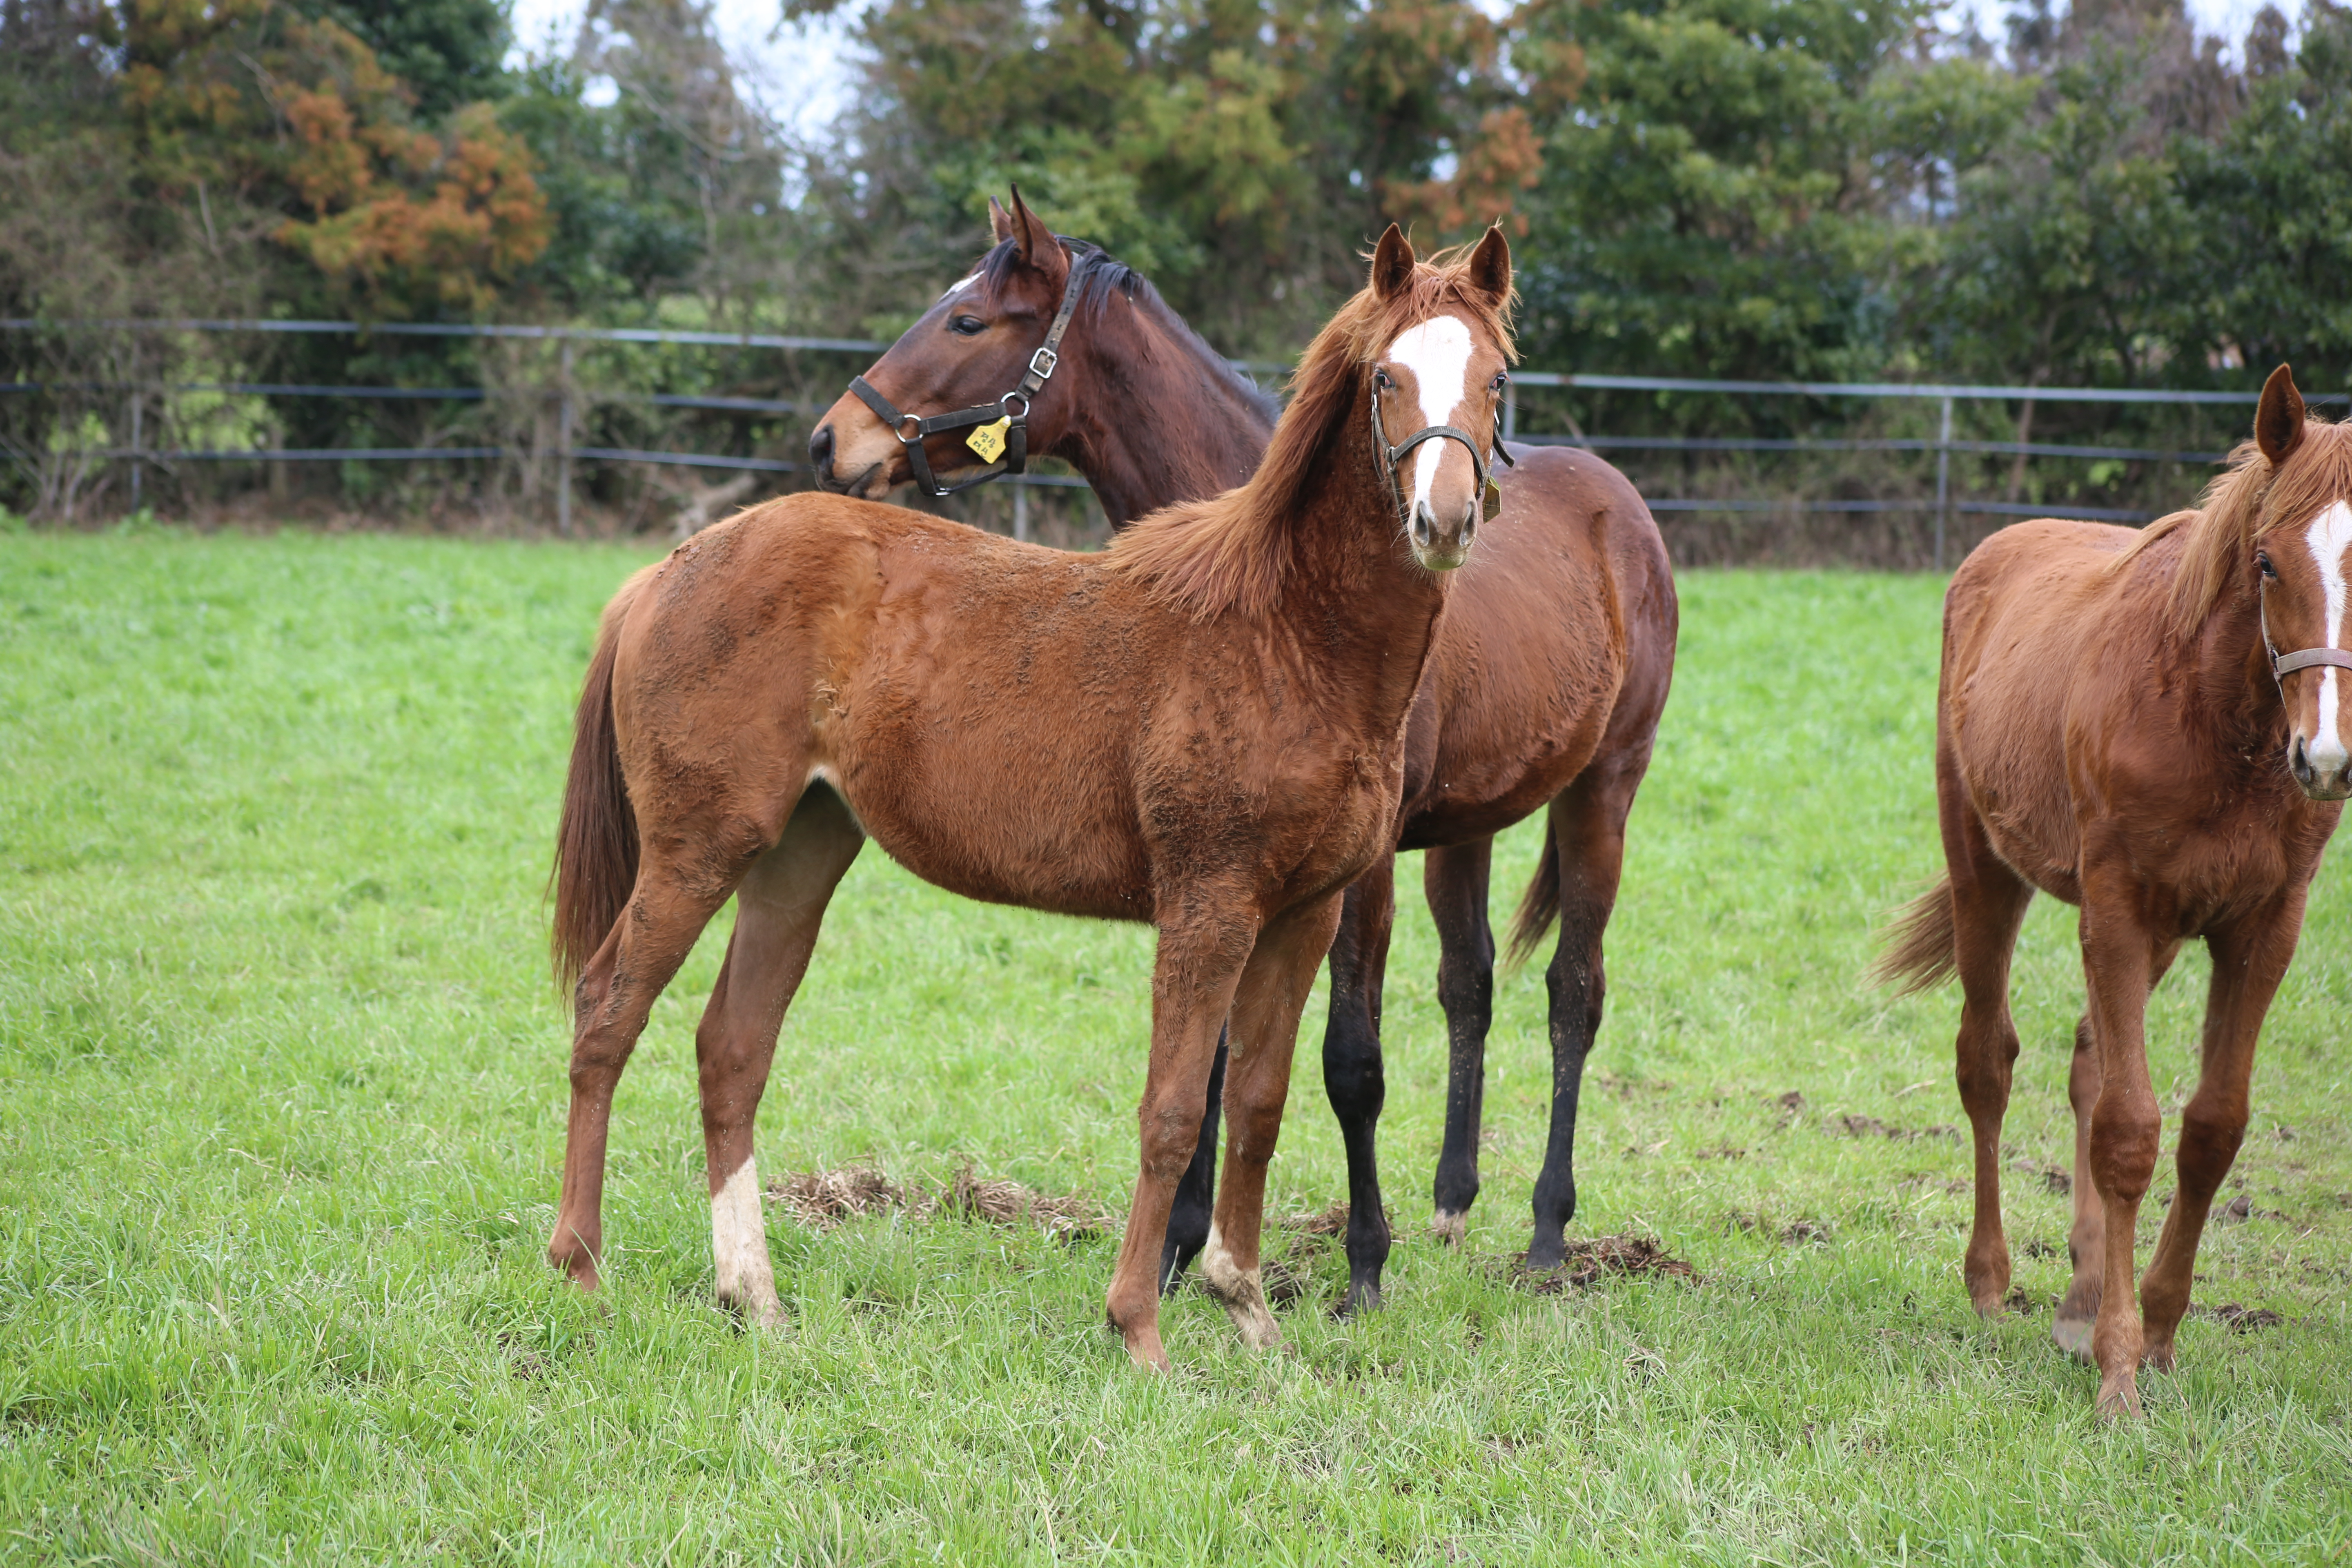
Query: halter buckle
[1044,372]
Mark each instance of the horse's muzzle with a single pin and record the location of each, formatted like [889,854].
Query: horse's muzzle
[1442,549]
[2320,775]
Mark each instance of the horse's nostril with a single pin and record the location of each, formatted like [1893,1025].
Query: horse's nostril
[820,449]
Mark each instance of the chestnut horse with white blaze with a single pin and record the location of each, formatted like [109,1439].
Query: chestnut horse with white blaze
[1201,728]
[2152,726]
[1543,693]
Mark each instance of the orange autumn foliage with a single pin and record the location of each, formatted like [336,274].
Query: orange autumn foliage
[297,115]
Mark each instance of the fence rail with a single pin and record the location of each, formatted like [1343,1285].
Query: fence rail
[1944,446]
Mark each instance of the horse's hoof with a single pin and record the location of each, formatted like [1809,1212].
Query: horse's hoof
[1450,1228]
[1143,1349]
[1363,1295]
[2159,1356]
[2119,1397]
[2073,1337]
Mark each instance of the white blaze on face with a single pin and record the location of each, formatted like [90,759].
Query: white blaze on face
[956,289]
[1437,352]
[739,1233]
[2329,536]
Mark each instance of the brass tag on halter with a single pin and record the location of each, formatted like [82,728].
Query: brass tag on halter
[1492,504]
[989,439]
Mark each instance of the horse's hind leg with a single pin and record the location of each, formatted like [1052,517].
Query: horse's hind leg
[1353,1074]
[1989,902]
[2249,959]
[665,913]
[1454,879]
[779,907]
[1586,830]
[1266,1005]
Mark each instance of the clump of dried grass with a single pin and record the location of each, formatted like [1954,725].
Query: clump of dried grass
[824,1199]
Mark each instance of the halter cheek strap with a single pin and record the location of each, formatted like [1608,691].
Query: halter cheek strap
[1490,494]
[2285,664]
[1012,408]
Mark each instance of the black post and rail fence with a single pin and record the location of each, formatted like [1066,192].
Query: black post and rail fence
[568,452]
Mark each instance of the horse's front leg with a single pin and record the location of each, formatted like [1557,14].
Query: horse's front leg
[1192,981]
[1271,994]
[1454,880]
[1189,1216]
[2249,959]
[2119,956]
[1353,1076]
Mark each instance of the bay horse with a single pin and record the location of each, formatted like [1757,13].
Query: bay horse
[1203,728]
[1544,692]
[2116,728]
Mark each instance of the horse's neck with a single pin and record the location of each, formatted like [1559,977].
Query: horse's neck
[1353,585]
[2234,683]
[1160,420]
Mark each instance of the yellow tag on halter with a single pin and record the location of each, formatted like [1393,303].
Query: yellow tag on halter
[989,439]
[1492,502]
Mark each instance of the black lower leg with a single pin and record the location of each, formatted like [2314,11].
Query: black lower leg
[1576,986]
[1456,880]
[1354,1079]
[1196,1193]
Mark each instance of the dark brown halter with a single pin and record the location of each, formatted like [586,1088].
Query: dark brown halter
[1490,495]
[912,428]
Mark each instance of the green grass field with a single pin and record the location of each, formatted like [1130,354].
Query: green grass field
[281,1100]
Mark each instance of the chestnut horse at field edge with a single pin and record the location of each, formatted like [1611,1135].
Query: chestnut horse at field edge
[1203,728]
[1545,689]
[2115,727]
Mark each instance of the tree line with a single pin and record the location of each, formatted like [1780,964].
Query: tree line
[1743,189]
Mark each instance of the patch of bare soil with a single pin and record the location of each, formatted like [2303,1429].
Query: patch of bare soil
[1589,1261]
[1872,1127]
[824,1199]
[2241,1320]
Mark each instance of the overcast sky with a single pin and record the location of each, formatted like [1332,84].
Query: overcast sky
[798,71]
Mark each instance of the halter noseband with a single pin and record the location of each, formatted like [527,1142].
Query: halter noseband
[2285,664]
[1490,495]
[1015,421]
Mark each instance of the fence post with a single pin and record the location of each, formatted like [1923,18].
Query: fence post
[137,469]
[1019,511]
[563,448]
[1510,410]
[1943,480]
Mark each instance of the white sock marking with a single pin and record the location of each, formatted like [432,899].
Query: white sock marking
[739,1233]
[1437,352]
[2329,536]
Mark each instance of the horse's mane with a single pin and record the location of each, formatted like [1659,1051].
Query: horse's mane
[1096,275]
[1234,551]
[2219,533]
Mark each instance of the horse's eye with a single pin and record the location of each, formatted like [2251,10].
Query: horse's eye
[1380,379]
[2263,561]
[968,326]
[1501,380]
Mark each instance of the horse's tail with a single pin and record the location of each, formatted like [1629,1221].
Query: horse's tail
[597,845]
[1539,906]
[1919,951]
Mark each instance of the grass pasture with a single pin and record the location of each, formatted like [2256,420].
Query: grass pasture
[281,1100]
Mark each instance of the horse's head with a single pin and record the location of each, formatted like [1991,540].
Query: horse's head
[971,348]
[2303,560]
[1441,358]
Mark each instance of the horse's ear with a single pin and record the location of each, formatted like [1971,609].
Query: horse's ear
[2278,420]
[1490,268]
[1392,264]
[1036,244]
[999,220]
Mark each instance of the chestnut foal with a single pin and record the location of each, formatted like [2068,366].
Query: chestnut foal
[1201,728]
[2117,728]
[1545,689]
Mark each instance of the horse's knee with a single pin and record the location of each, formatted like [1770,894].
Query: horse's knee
[2210,1139]
[2123,1148]
[1169,1126]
